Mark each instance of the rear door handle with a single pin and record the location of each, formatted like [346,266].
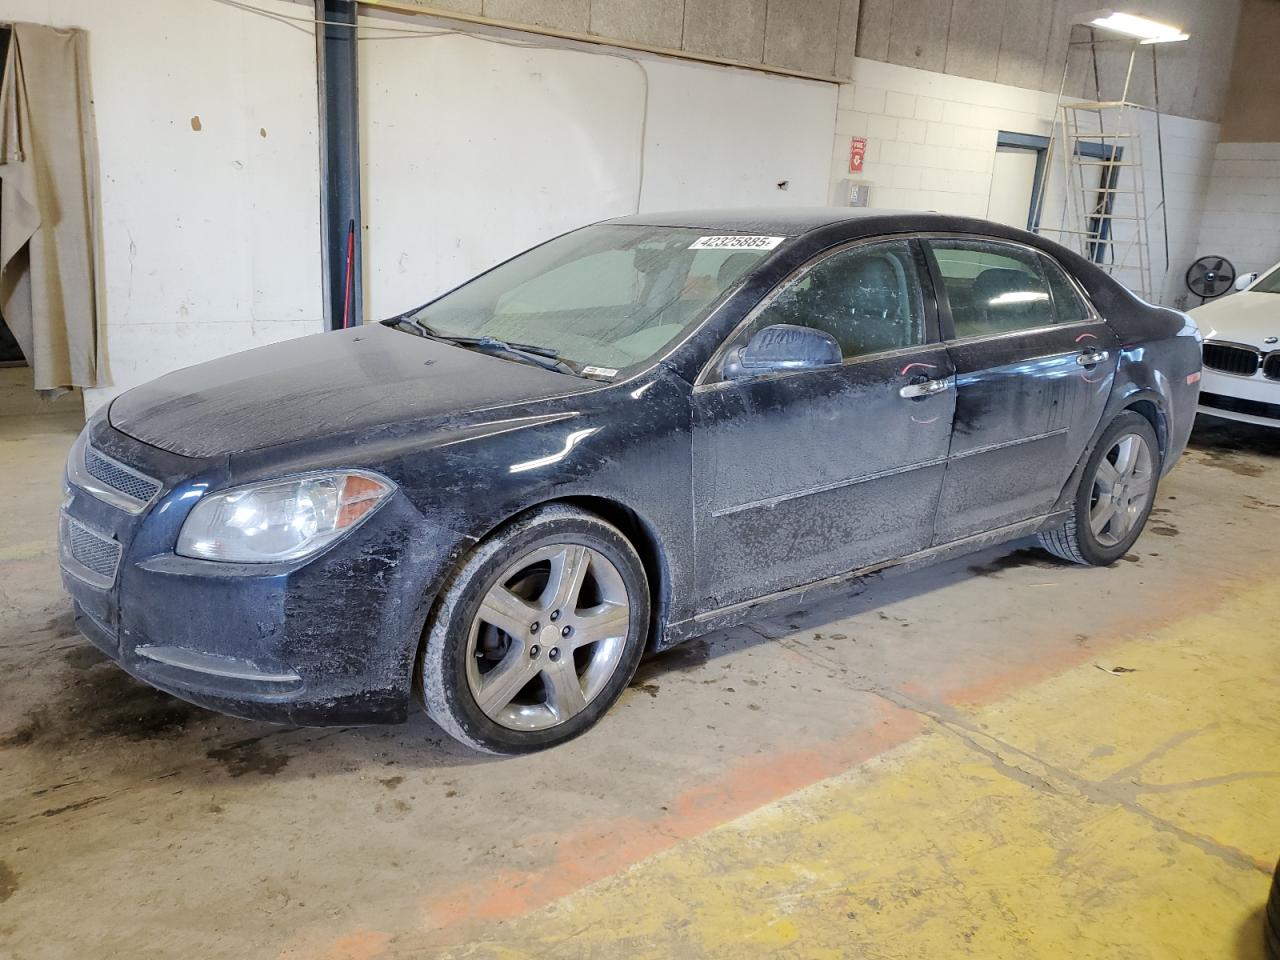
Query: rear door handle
[927,388]
[1091,357]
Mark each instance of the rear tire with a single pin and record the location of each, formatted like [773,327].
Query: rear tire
[1116,492]
[536,634]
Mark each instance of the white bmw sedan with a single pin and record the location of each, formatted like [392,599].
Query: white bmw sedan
[1241,378]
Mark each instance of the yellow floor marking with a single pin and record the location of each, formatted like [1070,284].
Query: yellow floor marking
[1125,812]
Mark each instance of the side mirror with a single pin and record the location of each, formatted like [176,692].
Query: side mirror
[783,347]
[1245,279]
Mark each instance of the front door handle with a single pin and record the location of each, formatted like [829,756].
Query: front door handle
[1091,357]
[926,388]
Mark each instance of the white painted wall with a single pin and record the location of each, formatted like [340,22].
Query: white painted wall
[211,238]
[1242,210]
[723,137]
[931,142]
[476,149]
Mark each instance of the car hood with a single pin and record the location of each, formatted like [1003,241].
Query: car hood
[1246,317]
[324,384]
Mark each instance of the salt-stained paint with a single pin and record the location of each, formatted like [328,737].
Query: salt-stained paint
[655,453]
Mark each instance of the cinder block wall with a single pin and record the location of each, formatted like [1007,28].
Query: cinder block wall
[1242,212]
[931,142]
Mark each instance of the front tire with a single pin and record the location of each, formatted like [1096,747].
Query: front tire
[536,634]
[1117,490]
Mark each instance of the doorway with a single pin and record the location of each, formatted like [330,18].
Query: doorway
[1018,176]
[1014,176]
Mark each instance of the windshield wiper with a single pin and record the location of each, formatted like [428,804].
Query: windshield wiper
[539,356]
[495,342]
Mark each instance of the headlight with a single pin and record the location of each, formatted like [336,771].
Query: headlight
[280,519]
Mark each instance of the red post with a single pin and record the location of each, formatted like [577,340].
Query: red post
[351,261]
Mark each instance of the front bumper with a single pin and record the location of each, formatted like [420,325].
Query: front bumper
[1253,399]
[330,640]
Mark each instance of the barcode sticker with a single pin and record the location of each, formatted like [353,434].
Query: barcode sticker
[739,242]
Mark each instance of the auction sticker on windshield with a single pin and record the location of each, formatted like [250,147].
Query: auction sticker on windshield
[736,243]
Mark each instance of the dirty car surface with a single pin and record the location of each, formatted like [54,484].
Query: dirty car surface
[632,434]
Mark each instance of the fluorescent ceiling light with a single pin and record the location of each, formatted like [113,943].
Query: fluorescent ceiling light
[1144,29]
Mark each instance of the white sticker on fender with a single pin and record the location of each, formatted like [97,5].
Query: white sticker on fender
[738,242]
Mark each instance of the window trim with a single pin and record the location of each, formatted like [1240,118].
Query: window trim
[1261,278]
[1053,295]
[947,321]
[710,376]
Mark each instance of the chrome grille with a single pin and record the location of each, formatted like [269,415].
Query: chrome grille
[1271,366]
[93,551]
[1228,358]
[118,477]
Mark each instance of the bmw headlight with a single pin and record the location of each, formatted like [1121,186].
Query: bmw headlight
[280,519]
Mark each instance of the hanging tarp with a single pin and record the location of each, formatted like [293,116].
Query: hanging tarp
[50,251]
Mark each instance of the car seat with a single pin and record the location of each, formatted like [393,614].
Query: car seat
[1008,299]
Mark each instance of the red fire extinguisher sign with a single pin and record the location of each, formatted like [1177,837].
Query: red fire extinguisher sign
[857,151]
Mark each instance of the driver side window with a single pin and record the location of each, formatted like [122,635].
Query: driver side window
[867,297]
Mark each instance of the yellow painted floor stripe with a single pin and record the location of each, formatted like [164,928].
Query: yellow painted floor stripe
[1124,809]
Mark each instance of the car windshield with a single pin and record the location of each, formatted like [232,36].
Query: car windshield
[1268,284]
[606,296]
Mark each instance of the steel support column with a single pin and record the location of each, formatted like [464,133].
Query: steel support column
[337,80]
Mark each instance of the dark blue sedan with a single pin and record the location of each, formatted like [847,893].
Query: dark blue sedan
[629,435]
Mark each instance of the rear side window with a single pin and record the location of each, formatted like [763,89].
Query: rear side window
[867,297]
[1067,305]
[993,288]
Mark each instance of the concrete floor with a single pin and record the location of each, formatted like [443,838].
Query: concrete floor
[997,757]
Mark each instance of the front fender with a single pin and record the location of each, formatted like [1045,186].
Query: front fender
[627,456]
[627,444]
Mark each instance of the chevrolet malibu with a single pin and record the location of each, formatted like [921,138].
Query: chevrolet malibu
[629,435]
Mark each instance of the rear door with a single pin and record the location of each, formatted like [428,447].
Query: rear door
[1034,365]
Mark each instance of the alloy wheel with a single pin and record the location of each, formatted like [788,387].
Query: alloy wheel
[1121,489]
[547,637]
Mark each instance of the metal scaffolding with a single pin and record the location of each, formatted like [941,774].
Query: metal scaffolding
[1099,143]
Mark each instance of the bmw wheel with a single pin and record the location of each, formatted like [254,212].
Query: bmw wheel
[536,634]
[1117,490]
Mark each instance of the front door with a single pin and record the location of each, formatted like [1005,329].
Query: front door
[805,475]
[1033,366]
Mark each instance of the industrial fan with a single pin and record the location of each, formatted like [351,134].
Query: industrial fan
[1210,277]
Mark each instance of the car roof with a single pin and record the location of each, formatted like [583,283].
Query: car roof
[818,228]
[790,221]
